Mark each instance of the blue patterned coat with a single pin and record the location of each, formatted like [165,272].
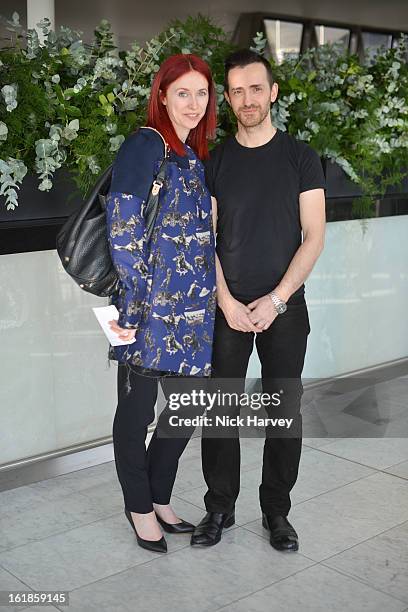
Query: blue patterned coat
[167,288]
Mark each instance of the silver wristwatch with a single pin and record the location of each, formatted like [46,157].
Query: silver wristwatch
[280,305]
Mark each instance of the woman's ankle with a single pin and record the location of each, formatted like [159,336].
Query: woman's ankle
[144,516]
[166,513]
[147,525]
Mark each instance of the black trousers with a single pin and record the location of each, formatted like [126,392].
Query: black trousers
[146,476]
[281,350]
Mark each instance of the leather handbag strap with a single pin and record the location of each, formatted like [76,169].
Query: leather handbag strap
[166,146]
[152,204]
[102,186]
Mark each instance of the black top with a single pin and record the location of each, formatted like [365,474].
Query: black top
[257,191]
[134,163]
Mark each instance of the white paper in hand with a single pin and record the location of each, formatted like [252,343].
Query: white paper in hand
[105,314]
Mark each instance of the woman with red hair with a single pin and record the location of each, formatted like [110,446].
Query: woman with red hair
[166,295]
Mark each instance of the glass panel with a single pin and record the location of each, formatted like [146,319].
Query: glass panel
[326,34]
[373,41]
[395,43]
[56,389]
[284,38]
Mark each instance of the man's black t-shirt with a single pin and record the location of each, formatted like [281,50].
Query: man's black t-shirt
[257,191]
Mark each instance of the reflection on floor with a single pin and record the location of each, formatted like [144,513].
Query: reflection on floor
[350,509]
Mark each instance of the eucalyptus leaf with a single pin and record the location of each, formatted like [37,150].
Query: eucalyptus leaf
[115,142]
[74,125]
[3,131]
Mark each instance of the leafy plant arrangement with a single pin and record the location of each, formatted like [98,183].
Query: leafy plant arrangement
[351,113]
[67,103]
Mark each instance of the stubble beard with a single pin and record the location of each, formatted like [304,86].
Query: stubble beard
[255,120]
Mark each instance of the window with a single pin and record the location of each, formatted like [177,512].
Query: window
[373,41]
[288,37]
[284,38]
[395,42]
[326,34]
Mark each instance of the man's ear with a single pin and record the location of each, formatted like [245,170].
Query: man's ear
[226,96]
[274,92]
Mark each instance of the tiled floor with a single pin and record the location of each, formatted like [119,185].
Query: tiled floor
[350,508]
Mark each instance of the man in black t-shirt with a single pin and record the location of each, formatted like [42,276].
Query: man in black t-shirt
[269,210]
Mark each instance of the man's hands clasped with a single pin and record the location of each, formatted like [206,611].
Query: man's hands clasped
[255,317]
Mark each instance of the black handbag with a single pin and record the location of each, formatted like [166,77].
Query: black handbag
[82,242]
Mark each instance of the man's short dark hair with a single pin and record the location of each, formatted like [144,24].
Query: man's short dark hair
[245,57]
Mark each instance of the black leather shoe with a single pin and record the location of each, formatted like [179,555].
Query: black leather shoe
[283,536]
[153,545]
[183,527]
[208,531]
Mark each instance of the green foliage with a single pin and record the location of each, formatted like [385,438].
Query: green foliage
[63,102]
[351,113]
[104,90]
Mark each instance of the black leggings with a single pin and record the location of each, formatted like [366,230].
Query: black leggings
[146,476]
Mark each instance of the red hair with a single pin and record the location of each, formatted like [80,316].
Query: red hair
[171,69]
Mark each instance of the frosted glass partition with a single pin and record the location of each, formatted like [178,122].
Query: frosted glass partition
[357,296]
[56,389]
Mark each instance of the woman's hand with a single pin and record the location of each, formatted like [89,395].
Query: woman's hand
[123,333]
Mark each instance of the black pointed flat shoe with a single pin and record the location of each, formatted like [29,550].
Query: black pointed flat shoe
[283,536]
[182,527]
[153,545]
